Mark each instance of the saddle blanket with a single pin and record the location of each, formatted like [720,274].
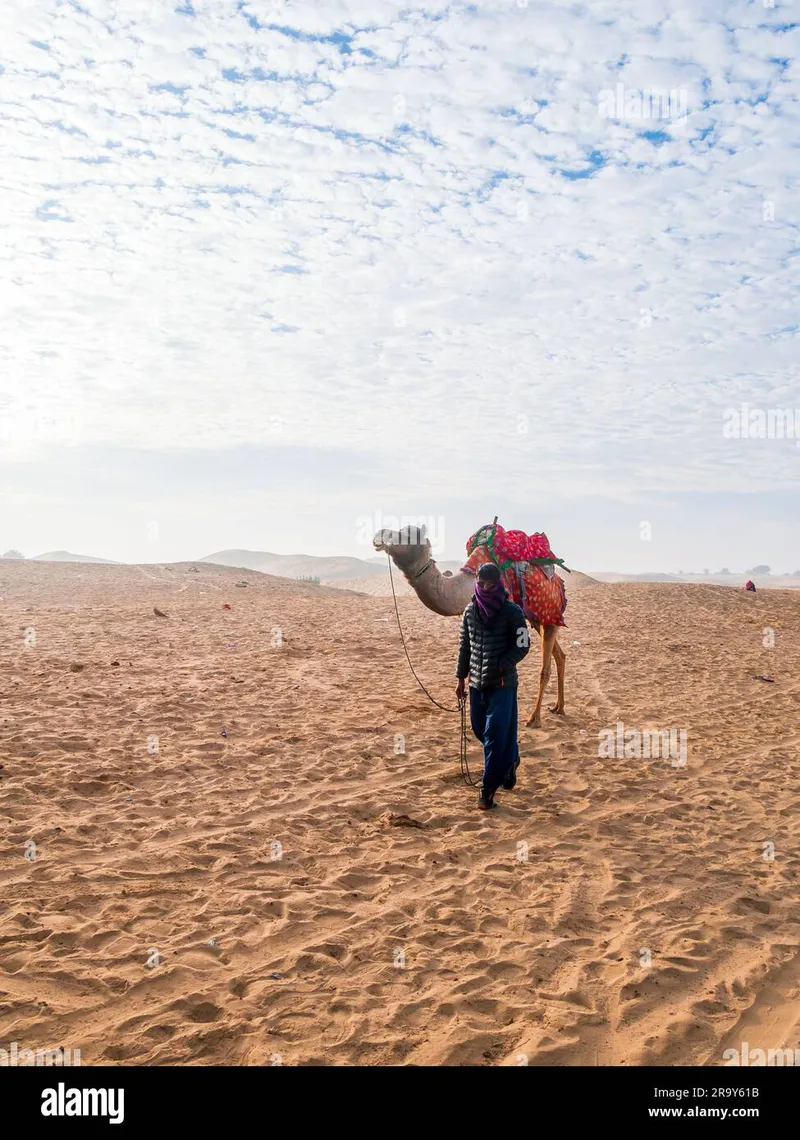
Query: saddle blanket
[540,595]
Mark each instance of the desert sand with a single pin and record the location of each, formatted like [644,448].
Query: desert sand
[280,883]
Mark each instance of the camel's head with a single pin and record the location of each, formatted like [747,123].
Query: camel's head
[406,547]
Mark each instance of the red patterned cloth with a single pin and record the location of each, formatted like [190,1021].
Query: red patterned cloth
[541,598]
[510,545]
[538,546]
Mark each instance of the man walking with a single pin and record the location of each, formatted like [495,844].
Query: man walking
[494,638]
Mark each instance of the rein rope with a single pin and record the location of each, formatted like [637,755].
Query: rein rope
[462,705]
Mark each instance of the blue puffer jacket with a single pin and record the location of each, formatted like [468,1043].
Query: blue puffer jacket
[489,654]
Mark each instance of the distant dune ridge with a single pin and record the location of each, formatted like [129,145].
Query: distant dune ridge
[353,573]
[327,569]
[738,579]
[295,565]
[65,556]
[224,785]
[380,585]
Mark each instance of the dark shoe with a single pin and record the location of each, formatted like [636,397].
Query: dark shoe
[485,802]
[511,778]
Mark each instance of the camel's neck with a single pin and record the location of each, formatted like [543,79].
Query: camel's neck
[447,596]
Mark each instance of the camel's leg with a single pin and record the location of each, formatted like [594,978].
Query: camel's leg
[561,658]
[548,637]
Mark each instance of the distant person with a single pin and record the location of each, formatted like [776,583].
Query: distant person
[750,585]
[494,639]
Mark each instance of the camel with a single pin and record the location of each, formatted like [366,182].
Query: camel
[410,550]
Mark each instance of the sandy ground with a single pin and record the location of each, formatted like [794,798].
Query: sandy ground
[301,890]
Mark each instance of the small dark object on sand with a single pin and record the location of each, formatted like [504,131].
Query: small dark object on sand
[76,668]
[158,612]
[761,677]
[401,820]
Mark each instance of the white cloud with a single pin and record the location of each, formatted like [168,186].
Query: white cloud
[405,223]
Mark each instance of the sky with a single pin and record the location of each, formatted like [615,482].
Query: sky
[275,274]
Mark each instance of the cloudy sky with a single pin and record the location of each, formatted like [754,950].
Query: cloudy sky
[275,270]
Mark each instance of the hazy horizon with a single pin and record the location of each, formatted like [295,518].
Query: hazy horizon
[377,559]
[677,539]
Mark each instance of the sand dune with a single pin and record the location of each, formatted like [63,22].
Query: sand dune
[311,892]
[380,586]
[67,556]
[331,569]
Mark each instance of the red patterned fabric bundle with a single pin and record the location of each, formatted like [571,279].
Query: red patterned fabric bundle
[511,545]
[538,547]
[541,598]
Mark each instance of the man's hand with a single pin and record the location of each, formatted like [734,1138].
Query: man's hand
[460,691]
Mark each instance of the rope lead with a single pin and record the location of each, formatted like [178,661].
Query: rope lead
[462,705]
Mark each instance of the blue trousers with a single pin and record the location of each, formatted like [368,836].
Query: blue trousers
[493,715]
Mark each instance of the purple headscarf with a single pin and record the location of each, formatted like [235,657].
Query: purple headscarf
[488,601]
